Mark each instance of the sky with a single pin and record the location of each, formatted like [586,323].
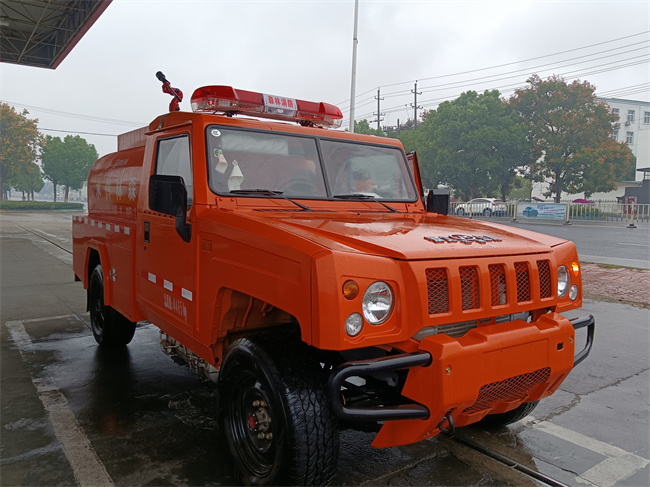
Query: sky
[303,49]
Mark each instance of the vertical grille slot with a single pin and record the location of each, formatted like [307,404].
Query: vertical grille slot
[469,287]
[523,281]
[545,288]
[517,387]
[498,288]
[438,290]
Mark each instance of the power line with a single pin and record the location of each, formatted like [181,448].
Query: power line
[511,63]
[76,115]
[77,132]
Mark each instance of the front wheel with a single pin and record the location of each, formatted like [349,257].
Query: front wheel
[502,419]
[110,328]
[460,212]
[276,418]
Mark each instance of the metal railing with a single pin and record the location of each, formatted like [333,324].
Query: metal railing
[598,211]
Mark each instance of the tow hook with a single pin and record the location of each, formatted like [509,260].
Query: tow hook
[450,429]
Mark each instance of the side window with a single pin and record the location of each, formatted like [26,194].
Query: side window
[173,159]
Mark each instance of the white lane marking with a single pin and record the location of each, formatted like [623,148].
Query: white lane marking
[633,244]
[618,466]
[86,465]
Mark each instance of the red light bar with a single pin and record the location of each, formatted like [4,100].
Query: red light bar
[225,99]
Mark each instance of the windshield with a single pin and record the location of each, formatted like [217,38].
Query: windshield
[249,161]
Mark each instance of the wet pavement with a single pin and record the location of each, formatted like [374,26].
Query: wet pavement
[72,413]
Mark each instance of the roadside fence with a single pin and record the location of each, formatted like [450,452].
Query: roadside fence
[567,212]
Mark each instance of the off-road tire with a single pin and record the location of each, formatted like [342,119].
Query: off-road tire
[304,446]
[502,419]
[109,327]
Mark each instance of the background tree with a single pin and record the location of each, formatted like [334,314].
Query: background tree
[363,127]
[473,144]
[570,132]
[28,179]
[67,162]
[20,142]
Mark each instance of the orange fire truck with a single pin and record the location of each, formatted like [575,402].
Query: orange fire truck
[303,270]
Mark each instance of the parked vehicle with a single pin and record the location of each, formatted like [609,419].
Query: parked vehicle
[482,206]
[299,269]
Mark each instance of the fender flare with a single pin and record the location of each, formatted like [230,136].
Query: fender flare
[104,260]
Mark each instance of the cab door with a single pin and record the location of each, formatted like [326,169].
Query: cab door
[167,275]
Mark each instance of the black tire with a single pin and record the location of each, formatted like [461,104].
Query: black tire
[109,327]
[487,212]
[272,377]
[460,212]
[502,419]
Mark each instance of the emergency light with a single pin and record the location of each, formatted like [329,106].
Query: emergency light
[225,99]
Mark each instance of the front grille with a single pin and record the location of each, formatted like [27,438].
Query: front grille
[498,289]
[521,291]
[438,290]
[545,288]
[512,389]
[523,281]
[469,287]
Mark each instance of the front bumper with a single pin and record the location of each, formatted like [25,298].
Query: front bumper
[489,370]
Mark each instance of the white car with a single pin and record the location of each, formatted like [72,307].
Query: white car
[482,206]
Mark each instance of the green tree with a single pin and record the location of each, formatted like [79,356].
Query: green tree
[28,179]
[20,142]
[570,132]
[473,144]
[67,162]
[363,127]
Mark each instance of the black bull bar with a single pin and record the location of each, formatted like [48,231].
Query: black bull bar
[361,368]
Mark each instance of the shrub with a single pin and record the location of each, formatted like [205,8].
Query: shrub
[38,206]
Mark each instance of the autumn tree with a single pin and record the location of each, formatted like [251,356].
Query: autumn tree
[67,162]
[570,132]
[19,144]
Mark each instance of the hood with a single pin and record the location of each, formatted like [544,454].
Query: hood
[413,236]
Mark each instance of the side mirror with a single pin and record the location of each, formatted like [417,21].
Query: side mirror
[438,201]
[168,195]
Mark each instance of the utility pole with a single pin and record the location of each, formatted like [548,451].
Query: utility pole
[415,104]
[379,114]
[354,64]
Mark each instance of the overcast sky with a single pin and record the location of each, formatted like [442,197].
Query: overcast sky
[303,49]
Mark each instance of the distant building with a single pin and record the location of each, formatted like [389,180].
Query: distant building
[633,127]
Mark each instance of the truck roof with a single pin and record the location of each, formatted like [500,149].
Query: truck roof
[137,137]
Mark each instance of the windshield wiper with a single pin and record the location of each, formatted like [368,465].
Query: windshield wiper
[361,196]
[269,192]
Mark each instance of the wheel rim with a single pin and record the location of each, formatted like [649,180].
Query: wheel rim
[250,426]
[97,311]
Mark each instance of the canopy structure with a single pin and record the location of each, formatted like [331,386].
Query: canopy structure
[42,33]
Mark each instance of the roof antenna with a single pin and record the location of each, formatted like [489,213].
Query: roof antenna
[175,92]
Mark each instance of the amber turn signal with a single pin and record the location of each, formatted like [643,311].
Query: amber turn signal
[350,290]
[575,268]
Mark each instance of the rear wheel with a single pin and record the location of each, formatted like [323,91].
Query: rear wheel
[502,419]
[276,418]
[487,212]
[110,328]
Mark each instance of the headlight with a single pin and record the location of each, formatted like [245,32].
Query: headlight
[573,292]
[563,281]
[377,303]
[354,324]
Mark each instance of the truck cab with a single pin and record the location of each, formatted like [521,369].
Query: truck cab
[301,268]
